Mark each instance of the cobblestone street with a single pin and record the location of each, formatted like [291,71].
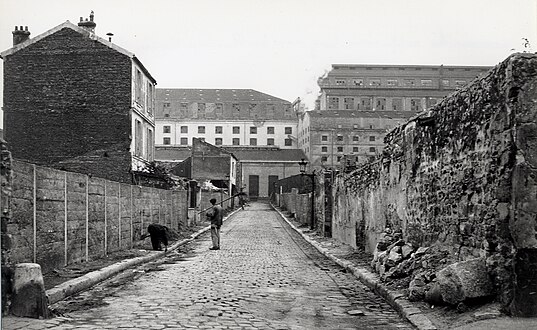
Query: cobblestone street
[264,277]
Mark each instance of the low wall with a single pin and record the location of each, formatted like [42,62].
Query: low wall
[59,218]
[298,204]
[461,177]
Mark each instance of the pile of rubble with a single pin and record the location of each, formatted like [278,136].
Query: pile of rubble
[427,273]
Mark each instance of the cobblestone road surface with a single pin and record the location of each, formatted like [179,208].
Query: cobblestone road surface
[264,277]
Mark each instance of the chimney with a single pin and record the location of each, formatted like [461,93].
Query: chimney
[20,35]
[88,25]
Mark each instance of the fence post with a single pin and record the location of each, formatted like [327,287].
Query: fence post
[65,218]
[87,218]
[105,222]
[119,215]
[131,220]
[35,216]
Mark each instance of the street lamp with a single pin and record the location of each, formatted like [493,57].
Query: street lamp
[303,163]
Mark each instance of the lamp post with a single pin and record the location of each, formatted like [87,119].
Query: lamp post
[303,163]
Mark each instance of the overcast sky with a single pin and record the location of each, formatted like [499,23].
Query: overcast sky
[281,47]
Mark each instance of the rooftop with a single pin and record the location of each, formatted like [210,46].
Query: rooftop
[215,95]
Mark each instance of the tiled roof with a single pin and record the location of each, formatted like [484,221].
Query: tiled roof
[274,155]
[215,95]
[360,114]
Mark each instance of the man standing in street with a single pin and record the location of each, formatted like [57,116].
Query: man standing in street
[215,214]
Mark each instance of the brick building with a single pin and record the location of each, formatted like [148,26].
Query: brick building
[224,117]
[78,102]
[358,104]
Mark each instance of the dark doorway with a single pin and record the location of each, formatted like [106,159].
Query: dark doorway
[253,186]
[271,181]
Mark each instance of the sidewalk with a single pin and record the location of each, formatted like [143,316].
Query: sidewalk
[421,315]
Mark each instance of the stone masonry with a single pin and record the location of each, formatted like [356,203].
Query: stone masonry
[456,183]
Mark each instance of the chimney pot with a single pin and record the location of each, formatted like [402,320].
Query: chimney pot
[20,35]
[81,18]
[86,24]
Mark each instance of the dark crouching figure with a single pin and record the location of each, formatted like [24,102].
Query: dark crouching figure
[159,234]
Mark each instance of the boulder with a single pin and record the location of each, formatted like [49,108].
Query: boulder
[464,280]
[393,258]
[406,250]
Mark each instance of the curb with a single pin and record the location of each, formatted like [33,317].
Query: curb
[395,298]
[88,280]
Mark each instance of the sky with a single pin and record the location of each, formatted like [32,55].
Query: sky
[281,47]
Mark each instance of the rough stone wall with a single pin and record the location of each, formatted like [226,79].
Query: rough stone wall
[6,179]
[98,216]
[460,177]
[67,103]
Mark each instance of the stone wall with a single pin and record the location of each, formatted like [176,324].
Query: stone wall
[460,179]
[59,218]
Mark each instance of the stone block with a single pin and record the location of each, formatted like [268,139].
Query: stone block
[29,297]
[464,280]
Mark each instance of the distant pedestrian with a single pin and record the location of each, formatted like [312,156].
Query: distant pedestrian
[159,235]
[215,215]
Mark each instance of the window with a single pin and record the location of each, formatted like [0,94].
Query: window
[219,110]
[184,129]
[409,82]
[355,149]
[167,140]
[138,87]
[288,142]
[270,130]
[372,149]
[149,144]
[218,130]
[391,82]
[348,103]
[166,105]
[236,130]
[201,129]
[445,82]
[339,149]
[340,82]
[166,129]
[358,82]
[415,104]
[324,159]
[381,103]
[324,149]
[338,158]
[324,138]
[333,103]
[371,138]
[365,103]
[201,109]
[138,138]
[236,141]
[270,142]
[218,141]
[426,82]
[184,141]
[166,115]
[339,138]
[397,104]
[253,141]
[253,130]
[288,130]
[355,138]
[374,82]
